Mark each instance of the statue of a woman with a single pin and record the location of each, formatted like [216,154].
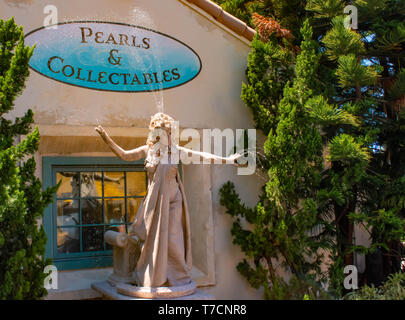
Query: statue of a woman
[162,221]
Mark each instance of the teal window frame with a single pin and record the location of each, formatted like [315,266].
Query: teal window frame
[50,165]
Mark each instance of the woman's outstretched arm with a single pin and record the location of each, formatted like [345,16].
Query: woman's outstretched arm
[127,155]
[209,156]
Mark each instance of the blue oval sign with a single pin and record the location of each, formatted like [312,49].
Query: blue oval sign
[112,56]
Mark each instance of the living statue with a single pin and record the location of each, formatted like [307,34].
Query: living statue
[162,221]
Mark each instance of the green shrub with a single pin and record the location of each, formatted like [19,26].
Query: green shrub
[392,289]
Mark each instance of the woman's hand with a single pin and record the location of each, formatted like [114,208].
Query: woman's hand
[234,157]
[101,131]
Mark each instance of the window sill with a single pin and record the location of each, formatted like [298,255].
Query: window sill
[76,284]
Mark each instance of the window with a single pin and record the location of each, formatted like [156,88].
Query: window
[95,195]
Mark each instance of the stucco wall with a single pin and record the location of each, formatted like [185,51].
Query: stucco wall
[66,114]
[214,92]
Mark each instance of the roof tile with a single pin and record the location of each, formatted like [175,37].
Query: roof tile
[233,23]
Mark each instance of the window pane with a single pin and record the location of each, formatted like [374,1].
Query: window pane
[93,238]
[136,184]
[69,187]
[92,211]
[91,184]
[133,206]
[114,184]
[68,240]
[68,213]
[114,211]
[104,197]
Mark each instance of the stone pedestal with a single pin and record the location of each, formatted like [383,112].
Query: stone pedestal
[156,292]
[110,292]
[121,284]
[126,253]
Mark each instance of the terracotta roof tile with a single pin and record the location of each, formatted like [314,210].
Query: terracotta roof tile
[233,23]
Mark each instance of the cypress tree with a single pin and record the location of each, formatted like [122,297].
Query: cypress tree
[286,222]
[22,201]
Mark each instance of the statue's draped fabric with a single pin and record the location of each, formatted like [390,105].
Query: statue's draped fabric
[162,225]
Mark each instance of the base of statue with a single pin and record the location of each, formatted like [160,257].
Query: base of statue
[156,292]
[119,285]
[124,291]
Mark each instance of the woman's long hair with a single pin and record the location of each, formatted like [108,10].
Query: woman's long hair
[156,148]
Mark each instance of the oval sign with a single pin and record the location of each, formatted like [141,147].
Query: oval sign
[112,56]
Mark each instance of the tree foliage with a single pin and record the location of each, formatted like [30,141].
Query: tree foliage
[22,201]
[392,289]
[332,112]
